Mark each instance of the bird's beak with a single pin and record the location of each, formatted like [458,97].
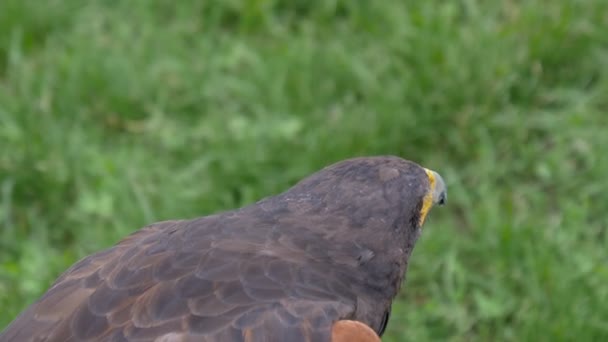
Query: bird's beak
[437,194]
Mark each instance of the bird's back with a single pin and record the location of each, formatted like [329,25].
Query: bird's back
[218,278]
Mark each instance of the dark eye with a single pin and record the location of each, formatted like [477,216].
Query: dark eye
[442,199]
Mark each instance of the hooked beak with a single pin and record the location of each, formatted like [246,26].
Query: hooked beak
[437,194]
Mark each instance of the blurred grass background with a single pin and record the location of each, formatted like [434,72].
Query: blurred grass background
[115,114]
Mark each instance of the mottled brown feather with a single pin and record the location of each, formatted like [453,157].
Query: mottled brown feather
[332,248]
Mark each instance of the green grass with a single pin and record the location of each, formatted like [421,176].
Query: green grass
[116,114]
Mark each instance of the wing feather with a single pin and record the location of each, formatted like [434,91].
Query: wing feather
[159,283]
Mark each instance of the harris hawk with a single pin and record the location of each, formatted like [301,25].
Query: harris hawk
[321,261]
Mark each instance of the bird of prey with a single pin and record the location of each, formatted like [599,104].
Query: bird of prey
[321,261]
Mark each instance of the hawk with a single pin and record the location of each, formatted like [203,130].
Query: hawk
[321,261]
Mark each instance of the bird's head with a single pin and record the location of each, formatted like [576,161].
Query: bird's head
[371,191]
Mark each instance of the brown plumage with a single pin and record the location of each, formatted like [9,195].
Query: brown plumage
[287,268]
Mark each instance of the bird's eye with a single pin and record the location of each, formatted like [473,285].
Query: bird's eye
[442,199]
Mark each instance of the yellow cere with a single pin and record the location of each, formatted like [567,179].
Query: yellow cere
[427,202]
